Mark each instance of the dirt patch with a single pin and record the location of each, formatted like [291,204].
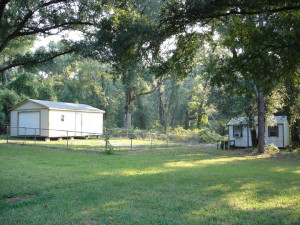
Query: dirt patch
[16,199]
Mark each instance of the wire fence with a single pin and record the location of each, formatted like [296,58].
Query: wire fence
[108,141]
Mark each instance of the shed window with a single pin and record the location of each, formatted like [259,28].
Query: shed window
[238,131]
[273,131]
[62,118]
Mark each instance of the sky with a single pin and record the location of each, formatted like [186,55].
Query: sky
[44,41]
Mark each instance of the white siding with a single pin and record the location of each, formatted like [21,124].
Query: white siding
[230,133]
[282,140]
[29,106]
[44,123]
[50,122]
[286,133]
[58,127]
[13,123]
[278,141]
[241,141]
[92,123]
[77,123]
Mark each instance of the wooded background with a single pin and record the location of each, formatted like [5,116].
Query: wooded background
[156,64]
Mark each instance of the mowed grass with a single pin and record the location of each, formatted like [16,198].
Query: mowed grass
[170,186]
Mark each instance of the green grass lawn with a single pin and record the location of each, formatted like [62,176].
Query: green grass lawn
[170,186]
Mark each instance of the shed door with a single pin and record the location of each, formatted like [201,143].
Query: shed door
[29,123]
[78,124]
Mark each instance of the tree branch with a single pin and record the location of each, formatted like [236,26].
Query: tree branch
[17,30]
[36,61]
[148,92]
[186,17]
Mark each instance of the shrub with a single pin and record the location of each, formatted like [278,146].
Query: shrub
[271,149]
[110,148]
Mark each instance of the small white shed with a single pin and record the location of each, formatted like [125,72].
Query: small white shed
[55,119]
[239,131]
[276,131]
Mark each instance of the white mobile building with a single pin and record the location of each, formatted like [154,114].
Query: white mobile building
[55,119]
[276,131]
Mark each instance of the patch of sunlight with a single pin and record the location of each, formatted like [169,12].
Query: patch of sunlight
[250,199]
[208,210]
[90,211]
[204,162]
[113,205]
[133,172]
[219,187]
[110,206]
[281,169]
[296,171]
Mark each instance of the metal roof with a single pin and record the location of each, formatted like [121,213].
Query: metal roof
[238,121]
[270,121]
[62,105]
[273,120]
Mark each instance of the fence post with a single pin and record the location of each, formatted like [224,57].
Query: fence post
[25,133]
[34,136]
[167,140]
[106,140]
[67,139]
[151,138]
[131,143]
[7,134]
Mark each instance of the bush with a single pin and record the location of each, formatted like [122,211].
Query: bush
[204,135]
[272,149]
[110,148]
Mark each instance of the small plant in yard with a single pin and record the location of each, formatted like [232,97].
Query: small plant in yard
[109,147]
[271,149]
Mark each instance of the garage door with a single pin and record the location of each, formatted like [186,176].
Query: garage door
[28,121]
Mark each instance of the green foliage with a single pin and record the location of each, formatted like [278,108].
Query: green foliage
[8,99]
[47,93]
[205,135]
[272,149]
[25,84]
[109,149]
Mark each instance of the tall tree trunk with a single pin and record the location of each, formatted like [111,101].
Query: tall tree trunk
[161,110]
[187,115]
[127,112]
[173,116]
[187,119]
[261,109]
[253,137]
[127,118]
[4,78]
[200,115]
[142,117]
[261,122]
[201,111]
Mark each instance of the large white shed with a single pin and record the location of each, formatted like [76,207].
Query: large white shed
[276,131]
[55,119]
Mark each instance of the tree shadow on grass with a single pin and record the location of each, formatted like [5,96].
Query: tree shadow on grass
[160,189]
